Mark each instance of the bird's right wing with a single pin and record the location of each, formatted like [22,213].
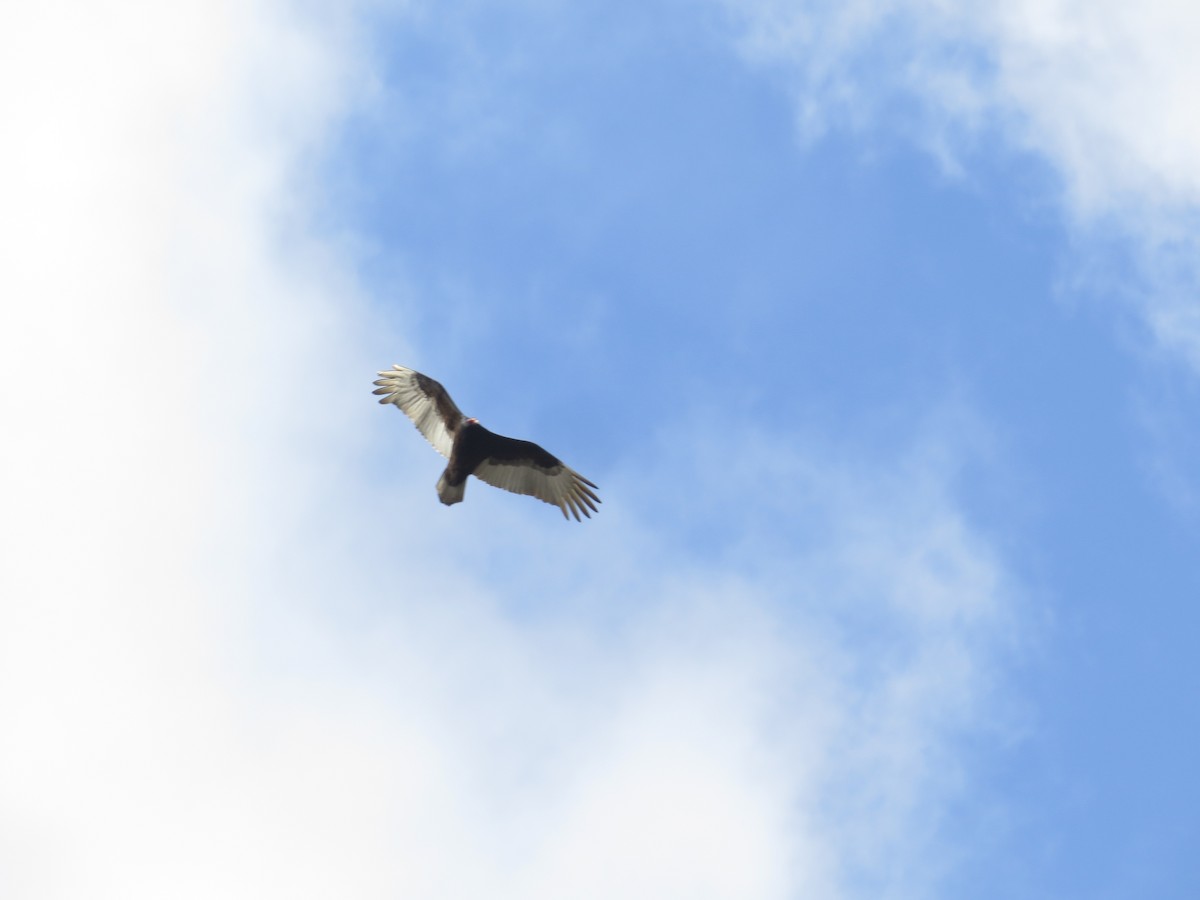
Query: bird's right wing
[525,468]
[425,402]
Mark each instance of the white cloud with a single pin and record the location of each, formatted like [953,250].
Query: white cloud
[236,660]
[1102,91]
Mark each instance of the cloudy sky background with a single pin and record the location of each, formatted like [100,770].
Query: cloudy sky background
[876,322]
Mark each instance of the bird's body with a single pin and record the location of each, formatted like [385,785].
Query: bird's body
[515,465]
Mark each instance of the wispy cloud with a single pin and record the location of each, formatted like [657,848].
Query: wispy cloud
[240,658]
[1099,91]
[776,713]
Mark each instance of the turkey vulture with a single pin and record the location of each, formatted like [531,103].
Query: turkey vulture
[518,466]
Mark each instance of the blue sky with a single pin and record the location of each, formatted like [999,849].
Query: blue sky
[875,323]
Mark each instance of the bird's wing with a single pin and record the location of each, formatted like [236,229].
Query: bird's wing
[525,468]
[425,402]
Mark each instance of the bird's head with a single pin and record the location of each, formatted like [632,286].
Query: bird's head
[472,421]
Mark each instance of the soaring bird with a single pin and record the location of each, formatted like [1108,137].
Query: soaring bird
[518,466]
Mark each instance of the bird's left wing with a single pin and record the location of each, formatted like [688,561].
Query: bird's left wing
[525,468]
[424,401]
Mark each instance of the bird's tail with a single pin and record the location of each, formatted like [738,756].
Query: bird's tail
[450,493]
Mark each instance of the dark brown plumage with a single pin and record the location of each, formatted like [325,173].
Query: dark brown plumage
[518,466]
